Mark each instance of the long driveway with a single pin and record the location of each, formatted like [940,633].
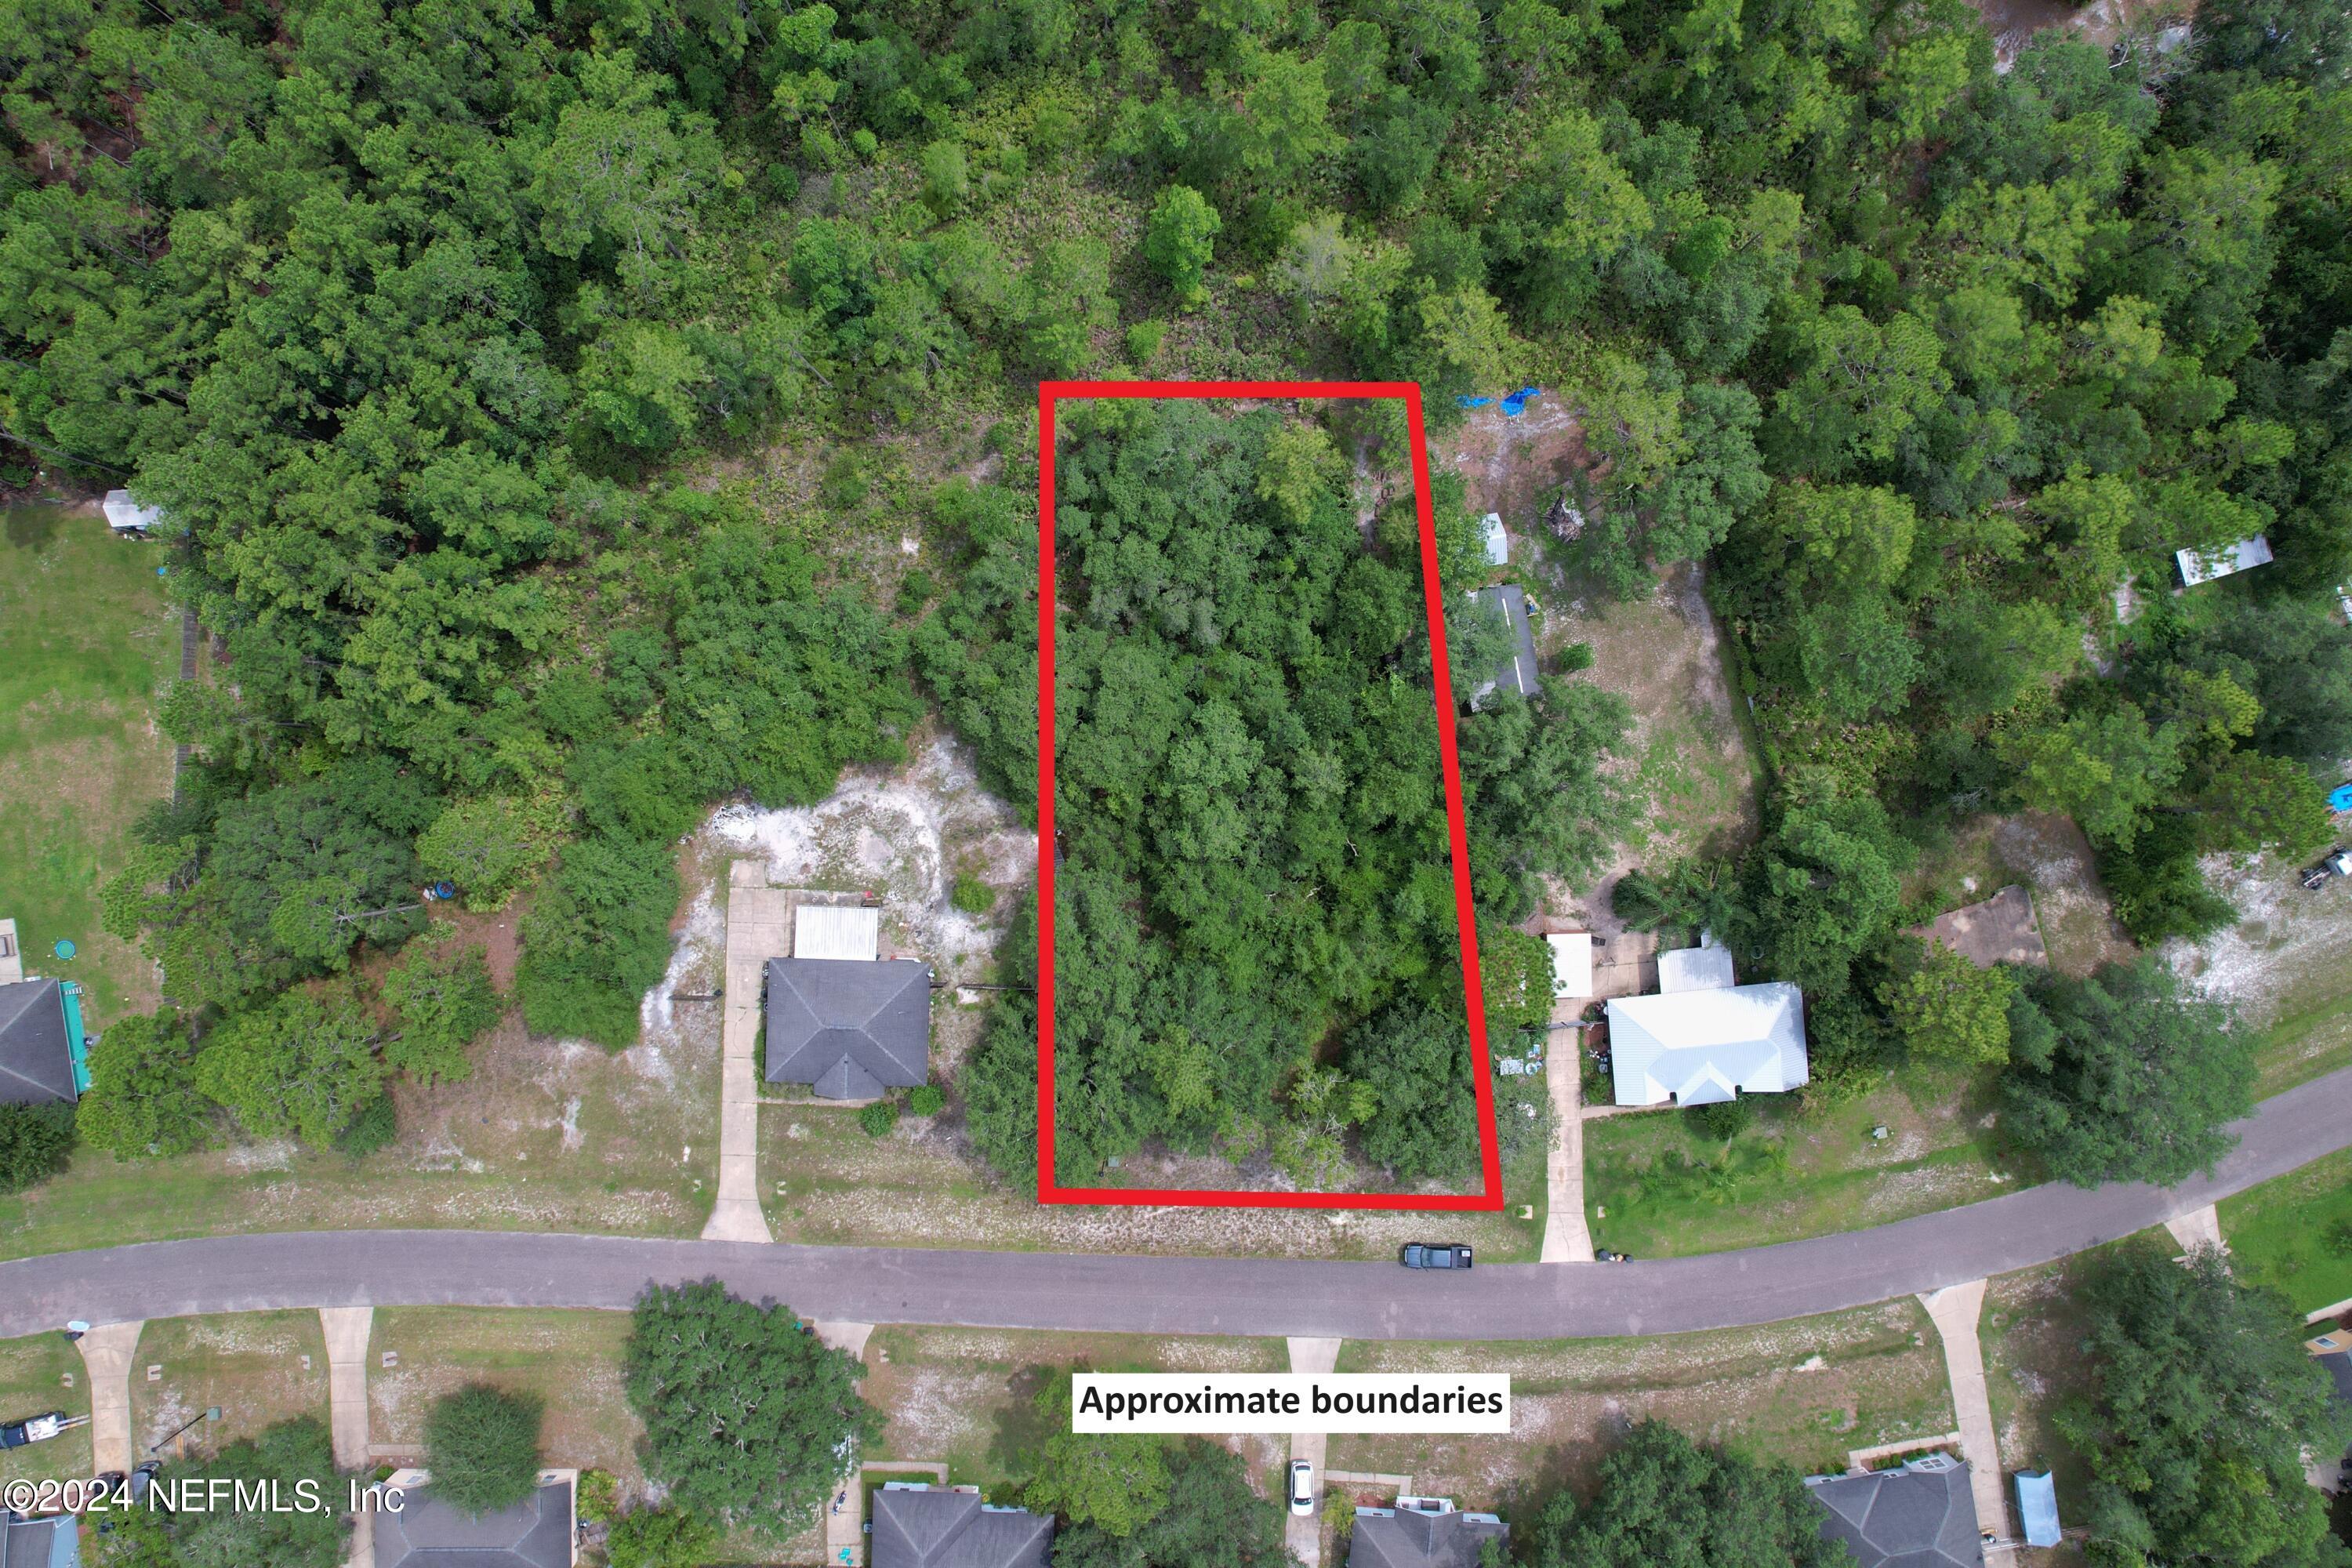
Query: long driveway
[1108,1292]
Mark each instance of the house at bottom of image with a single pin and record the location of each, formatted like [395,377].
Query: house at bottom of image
[916,1525]
[842,1019]
[541,1531]
[1421,1533]
[1703,1038]
[1922,1514]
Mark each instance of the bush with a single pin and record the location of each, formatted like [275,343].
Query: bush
[928,1099]
[446,1002]
[482,1445]
[36,1140]
[596,1497]
[660,1537]
[878,1118]
[377,1124]
[1726,1119]
[971,895]
[1143,341]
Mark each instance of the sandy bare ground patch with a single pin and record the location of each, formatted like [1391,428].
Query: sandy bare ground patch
[1514,467]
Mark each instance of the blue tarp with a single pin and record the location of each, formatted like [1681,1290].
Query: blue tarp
[1513,405]
[2340,798]
[2037,1504]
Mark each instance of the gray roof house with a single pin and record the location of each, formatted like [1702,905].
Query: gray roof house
[428,1533]
[39,1036]
[850,1028]
[1921,1516]
[1417,1537]
[53,1542]
[920,1526]
[1509,600]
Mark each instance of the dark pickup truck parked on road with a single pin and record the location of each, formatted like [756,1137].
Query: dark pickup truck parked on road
[1433,1255]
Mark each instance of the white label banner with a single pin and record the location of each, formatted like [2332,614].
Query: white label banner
[1221,1402]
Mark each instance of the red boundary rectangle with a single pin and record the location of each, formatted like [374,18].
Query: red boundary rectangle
[1490,1157]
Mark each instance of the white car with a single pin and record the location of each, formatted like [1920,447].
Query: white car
[1302,1487]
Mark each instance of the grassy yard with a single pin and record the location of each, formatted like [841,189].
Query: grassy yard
[33,1373]
[1790,1175]
[2295,1233]
[570,1360]
[1804,1392]
[259,1368]
[85,635]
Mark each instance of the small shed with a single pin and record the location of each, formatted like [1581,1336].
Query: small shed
[1498,544]
[126,515]
[2037,1505]
[1705,968]
[2204,565]
[1571,962]
[829,930]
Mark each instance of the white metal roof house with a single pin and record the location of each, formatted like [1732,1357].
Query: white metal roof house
[1697,1048]
[2204,565]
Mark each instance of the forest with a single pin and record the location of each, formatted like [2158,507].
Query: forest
[1255,939]
[435,328]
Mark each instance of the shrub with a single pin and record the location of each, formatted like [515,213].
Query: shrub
[597,1497]
[445,1002]
[1726,1119]
[1143,341]
[377,1124]
[482,1445]
[878,1118]
[971,895]
[660,1537]
[928,1099]
[36,1140]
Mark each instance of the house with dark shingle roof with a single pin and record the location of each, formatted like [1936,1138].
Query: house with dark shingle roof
[537,1533]
[846,1028]
[919,1526]
[41,1054]
[1421,1533]
[1923,1515]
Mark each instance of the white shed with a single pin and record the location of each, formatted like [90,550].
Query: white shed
[2204,565]
[830,930]
[1571,962]
[1498,544]
[125,515]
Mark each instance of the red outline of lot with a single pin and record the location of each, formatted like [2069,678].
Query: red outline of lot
[1490,1197]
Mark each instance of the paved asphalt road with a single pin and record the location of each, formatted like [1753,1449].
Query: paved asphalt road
[1159,1295]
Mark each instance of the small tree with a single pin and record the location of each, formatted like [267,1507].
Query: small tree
[1112,1480]
[1948,1010]
[927,1100]
[36,1140]
[445,1002]
[482,1445]
[143,1097]
[878,1118]
[1178,241]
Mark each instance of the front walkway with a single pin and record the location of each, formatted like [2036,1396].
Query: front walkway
[1955,1309]
[107,1351]
[757,929]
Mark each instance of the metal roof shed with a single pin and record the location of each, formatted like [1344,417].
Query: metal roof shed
[829,930]
[1571,962]
[2037,1505]
[2204,565]
[125,515]
[1509,600]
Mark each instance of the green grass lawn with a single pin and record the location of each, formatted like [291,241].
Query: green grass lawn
[85,635]
[2285,1233]
[32,1373]
[248,1364]
[1655,1186]
[570,1360]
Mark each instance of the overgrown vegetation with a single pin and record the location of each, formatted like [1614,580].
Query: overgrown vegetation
[481,1444]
